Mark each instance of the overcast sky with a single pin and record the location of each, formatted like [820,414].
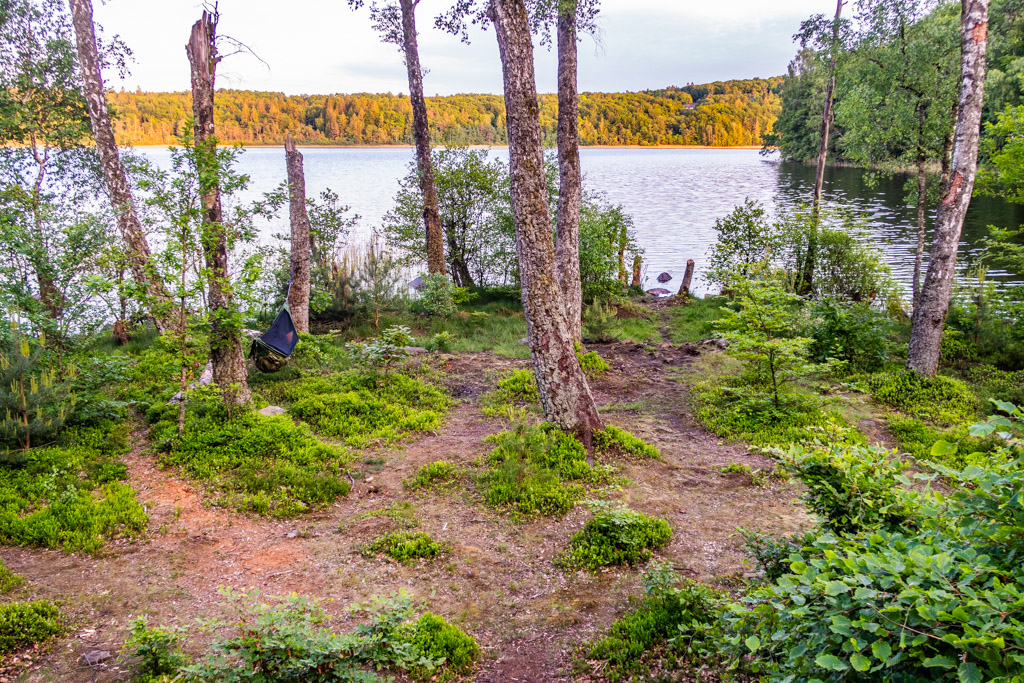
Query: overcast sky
[320,46]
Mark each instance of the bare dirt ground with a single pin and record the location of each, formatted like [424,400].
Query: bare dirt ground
[498,583]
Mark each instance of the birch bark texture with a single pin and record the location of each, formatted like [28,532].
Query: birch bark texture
[930,313]
[298,288]
[226,354]
[564,392]
[140,261]
[570,181]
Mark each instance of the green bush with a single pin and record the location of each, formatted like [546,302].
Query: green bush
[406,546]
[363,410]
[676,619]
[432,475]
[157,649]
[939,399]
[266,465]
[853,488]
[591,363]
[441,642]
[611,439]
[855,334]
[771,554]
[535,469]
[440,297]
[69,496]
[727,408]
[24,624]
[9,580]
[615,536]
[515,388]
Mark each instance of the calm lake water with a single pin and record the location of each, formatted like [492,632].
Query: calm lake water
[674,195]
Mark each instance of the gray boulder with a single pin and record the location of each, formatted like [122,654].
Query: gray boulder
[271,411]
[664,277]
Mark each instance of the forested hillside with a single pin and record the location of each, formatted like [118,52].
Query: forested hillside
[720,114]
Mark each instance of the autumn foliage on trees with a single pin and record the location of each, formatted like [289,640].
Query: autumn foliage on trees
[721,114]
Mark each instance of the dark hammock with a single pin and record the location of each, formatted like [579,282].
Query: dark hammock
[270,350]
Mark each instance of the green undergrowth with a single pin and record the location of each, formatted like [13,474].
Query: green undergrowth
[265,465]
[294,639]
[614,441]
[941,400]
[28,624]
[916,437]
[406,546]
[591,363]
[731,409]
[9,581]
[433,475]
[615,535]
[694,320]
[363,409]
[71,495]
[516,388]
[667,629]
[402,514]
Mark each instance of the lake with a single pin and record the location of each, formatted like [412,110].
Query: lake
[674,196]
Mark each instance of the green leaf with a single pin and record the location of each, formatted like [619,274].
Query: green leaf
[881,650]
[940,448]
[753,643]
[1004,406]
[940,661]
[864,593]
[968,672]
[830,662]
[860,662]
[836,587]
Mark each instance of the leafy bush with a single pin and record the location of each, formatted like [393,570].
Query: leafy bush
[361,410]
[611,439]
[615,536]
[534,469]
[515,388]
[917,438]
[852,333]
[441,341]
[24,624]
[441,642]
[955,348]
[384,351]
[853,488]
[746,243]
[729,409]
[406,546]
[34,396]
[599,322]
[770,554]
[674,619]
[9,580]
[940,399]
[266,465]
[432,475]
[440,297]
[591,363]
[69,496]
[157,649]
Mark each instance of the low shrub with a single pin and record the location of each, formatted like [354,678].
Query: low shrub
[673,625]
[615,536]
[591,363]
[855,334]
[9,580]
[363,410]
[266,465]
[432,475]
[757,477]
[731,409]
[24,624]
[612,440]
[440,297]
[158,650]
[939,399]
[69,496]
[515,388]
[406,546]
[770,554]
[441,642]
[853,488]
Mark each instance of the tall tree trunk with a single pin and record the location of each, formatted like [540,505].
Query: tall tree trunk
[298,288]
[158,301]
[421,135]
[807,277]
[947,148]
[930,313]
[226,354]
[922,200]
[570,182]
[564,391]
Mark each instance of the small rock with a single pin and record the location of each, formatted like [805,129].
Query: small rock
[271,411]
[524,340]
[659,292]
[95,657]
[294,533]
[250,333]
[664,277]
[867,423]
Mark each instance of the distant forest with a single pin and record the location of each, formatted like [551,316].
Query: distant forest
[723,113]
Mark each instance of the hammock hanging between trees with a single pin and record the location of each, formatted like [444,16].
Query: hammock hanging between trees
[270,350]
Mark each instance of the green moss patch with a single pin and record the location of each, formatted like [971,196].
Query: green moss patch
[440,641]
[617,441]
[615,536]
